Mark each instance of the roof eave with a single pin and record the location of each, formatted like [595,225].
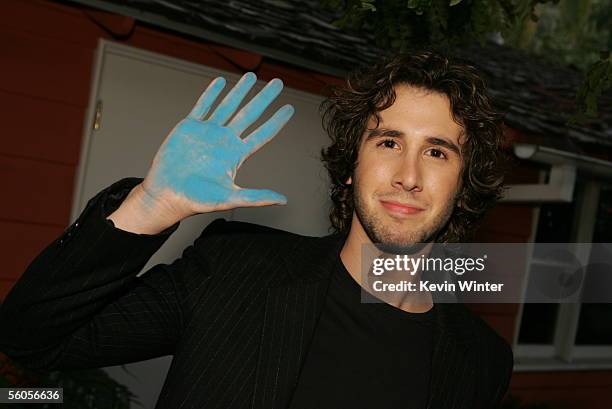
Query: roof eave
[215,37]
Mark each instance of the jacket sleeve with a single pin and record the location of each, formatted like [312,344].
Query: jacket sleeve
[80,303]
[504,364]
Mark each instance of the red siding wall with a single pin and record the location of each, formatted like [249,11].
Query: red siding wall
[46,60]
[47,55]
[565,390]
[506,223]
[44,88]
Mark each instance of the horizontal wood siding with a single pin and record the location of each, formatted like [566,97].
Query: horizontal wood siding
[47,56]
[564,389]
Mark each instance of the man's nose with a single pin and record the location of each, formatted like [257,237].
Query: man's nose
[408,175]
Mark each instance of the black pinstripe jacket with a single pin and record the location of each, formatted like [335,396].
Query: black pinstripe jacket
[237,312]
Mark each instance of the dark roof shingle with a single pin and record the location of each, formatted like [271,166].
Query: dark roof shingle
[536,96]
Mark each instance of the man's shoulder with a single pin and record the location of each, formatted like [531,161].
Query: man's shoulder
[237,230]
[230,248]
[241,239]
[493,350]
[497,358]
[485,334]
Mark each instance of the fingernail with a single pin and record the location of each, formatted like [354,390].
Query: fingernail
[288,110]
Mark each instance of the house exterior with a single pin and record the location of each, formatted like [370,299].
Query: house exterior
[47,57]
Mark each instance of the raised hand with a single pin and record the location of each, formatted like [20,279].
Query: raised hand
[195,167]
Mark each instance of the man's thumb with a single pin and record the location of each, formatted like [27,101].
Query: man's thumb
[258,197]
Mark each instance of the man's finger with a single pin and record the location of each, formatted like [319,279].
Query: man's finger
[253,110]
[207,99]
[257,197]
[269,129]
[232,100]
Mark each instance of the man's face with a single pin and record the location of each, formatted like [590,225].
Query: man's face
[408,170]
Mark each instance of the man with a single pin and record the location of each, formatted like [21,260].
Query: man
[260,318]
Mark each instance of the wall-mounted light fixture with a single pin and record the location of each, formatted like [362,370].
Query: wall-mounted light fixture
[562,176]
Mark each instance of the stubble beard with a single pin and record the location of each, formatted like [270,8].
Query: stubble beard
[382,234]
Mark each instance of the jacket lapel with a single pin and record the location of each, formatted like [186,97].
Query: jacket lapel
[294,303]
[453,365]
[453,377]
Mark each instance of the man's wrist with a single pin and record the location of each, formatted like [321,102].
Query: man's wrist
[141,214]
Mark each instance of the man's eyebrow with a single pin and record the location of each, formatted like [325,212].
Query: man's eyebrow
[373,133]
[434,140]
[445,143]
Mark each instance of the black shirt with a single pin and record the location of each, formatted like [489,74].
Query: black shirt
[365,355]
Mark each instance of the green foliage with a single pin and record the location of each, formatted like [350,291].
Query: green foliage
[567,31]
[368,5]
[579,33]
[83,389]
[597,81]
[402,24]
[573,32]
[89,389]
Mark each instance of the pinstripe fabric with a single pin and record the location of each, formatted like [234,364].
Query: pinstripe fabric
[237,311]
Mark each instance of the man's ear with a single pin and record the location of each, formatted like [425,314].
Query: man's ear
[349,180]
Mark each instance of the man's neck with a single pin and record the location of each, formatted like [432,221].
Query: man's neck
[352,257]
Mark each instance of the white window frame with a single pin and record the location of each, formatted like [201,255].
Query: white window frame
[563,354]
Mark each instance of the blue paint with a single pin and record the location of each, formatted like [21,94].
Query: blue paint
[233,98]
[200,158]
[256,106]
[207,99]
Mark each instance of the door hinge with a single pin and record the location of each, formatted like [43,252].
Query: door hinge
[98,115]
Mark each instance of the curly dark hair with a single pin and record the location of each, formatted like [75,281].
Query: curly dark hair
[370,89]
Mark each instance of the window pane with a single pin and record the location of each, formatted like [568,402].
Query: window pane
[595,322]
[595,325]
[554,222]
[538,323]
[603,222]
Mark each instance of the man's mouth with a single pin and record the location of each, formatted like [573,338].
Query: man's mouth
[399,208]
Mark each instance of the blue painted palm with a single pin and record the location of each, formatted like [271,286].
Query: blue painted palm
[200,157]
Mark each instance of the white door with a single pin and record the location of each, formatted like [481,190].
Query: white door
[141,96]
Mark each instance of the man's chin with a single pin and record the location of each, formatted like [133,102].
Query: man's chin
[401,245]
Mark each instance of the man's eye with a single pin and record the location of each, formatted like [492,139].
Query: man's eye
[388,143]
[437,153]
